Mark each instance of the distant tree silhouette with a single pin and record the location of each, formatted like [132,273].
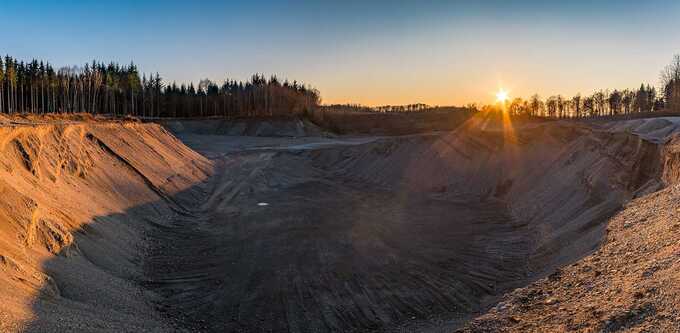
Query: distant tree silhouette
[614,101]
[98,88]
[35,87]
[2,84]
[588,106]
[644,99]
[608,103]
[536,106]
[670,81]
[600,103]
[417,107]
[576,106]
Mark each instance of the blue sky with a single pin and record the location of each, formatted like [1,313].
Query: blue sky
[372,52]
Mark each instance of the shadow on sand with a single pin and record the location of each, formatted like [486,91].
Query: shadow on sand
[101,282]
[323,256]
[339,247]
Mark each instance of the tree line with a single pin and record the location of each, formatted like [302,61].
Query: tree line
[606,102]
[98,88]
[600,103]
[670,80]
[416,107]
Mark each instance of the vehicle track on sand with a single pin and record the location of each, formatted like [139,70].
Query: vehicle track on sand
[104,224]
[414,233]
[328,253]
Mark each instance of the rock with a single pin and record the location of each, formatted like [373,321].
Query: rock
[551,301]
[502,306]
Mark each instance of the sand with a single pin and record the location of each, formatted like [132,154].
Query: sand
[78,201]
[415,232]
[628,284]
[119,226]
[653,129]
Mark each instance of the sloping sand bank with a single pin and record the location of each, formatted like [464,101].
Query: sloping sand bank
[78,200]
[416,232]
[630,284]
[118,226]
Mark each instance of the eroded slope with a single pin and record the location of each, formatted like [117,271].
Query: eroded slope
[120,227]
[78,199]
[414,232]
[629,284]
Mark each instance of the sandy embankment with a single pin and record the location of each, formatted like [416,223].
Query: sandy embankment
[109,226]
[414,232]
[629,284]
[77,200]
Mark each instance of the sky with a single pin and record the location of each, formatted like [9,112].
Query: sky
[367,52]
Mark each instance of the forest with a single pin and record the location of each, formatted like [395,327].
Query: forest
[36,87]
[645,99]
[417,107]
[98,88]
[600,103]
[606,102]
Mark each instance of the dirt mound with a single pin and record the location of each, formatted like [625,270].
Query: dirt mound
[78,200]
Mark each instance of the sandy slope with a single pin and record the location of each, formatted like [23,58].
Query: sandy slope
[416,233]
[629,284]
[110,226]
[77,201]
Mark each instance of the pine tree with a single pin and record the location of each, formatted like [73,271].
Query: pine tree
[2,84]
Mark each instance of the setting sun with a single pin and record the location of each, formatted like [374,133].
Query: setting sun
[501,96]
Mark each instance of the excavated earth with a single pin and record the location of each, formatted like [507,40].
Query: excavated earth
[122,227]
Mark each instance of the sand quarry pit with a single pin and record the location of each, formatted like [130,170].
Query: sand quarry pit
[128,227]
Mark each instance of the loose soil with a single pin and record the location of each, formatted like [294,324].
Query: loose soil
[119,226]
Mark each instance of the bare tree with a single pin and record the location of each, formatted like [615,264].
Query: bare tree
[670,81]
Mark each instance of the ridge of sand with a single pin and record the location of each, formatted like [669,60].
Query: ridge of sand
[628,284]
[77,201]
